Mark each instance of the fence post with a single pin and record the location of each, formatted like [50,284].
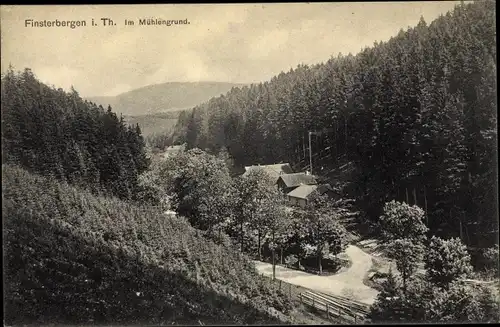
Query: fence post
[327,311]
[280,284]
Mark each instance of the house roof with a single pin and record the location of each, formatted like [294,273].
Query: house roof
[305,191]
[273,170]
[296,179]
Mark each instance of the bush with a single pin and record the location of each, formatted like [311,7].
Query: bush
[423,302]
[72,257]
[402,221]
[491,260]
[291,261]
[447,261]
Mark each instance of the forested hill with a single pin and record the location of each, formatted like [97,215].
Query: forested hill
[163,97]
[416,115]
[55,133]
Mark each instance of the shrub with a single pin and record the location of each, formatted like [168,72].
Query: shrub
[72,257]
[402,221]
[447,261]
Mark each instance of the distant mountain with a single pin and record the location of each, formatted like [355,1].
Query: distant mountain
[156,123]
[164,97]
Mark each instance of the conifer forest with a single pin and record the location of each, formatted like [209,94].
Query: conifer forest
[358,190]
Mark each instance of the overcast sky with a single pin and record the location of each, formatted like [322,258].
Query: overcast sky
[229,43]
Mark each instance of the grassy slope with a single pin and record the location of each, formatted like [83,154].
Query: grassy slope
[71,257]
[164,97]
[160,123]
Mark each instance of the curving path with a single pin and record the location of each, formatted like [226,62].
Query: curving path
[348,283]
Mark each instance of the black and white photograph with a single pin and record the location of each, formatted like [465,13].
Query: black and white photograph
[314,163]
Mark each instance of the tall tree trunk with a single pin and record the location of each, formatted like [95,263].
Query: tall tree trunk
[425,204]
[404,277]
[319,263]
[345,134]
[461,230]
[415,196]
[281,250]
[335,143]
[241,236]
[468,235]
[304,145]
[258,237]
[274,264]
[407,197]
[274,256]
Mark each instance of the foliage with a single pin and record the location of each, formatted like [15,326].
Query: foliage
[74,258]
[417,121]
[491,260]
[465,302]
[202,187]
[291,260]
[447,261]
[442,295]
[383,308]
[55,133]
[323,234]
[257,205]
[407,255]
[423,302]
[401,221]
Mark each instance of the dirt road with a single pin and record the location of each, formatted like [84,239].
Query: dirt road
[348,283]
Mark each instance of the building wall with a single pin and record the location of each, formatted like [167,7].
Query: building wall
[281,186]
[297,201]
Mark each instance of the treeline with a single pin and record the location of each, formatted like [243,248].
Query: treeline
[442,293]
[56,133]
[71,257]
[249,214]
[246,212]
[416,115]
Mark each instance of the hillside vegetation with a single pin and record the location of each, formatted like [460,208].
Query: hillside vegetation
[73,257]
[56,133]
[154,124]
[416,116]
[163,97]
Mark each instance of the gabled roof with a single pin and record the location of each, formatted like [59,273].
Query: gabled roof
[305,191]
[273,170]
[296,179]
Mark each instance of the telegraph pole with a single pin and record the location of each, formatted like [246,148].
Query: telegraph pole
[310,154]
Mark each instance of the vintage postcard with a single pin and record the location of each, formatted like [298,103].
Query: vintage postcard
[257,163]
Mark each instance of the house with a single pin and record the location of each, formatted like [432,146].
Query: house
[288,182]
[301,195]
[275,171]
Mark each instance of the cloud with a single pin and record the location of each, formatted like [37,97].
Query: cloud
[224,42]
[65,76]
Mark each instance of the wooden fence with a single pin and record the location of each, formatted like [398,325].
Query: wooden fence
[336,308]
[339,308]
